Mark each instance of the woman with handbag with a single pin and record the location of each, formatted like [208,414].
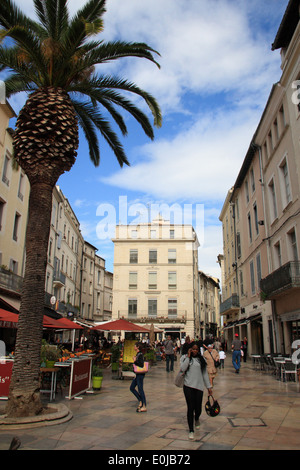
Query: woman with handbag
[195,379]
[138,381]
[212,357]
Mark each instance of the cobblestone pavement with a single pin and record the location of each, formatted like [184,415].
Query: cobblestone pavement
[258,412]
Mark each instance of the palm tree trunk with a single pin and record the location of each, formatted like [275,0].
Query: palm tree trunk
[24,396]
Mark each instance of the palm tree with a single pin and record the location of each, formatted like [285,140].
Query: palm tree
[55,61]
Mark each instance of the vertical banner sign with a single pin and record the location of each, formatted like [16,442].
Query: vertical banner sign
[5,378]
[80,377]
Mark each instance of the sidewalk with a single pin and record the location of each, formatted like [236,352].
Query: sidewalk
[257,413]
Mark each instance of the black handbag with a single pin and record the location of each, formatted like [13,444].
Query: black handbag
[212,408]
[216,363]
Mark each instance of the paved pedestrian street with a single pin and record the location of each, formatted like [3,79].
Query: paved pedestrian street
[258,412]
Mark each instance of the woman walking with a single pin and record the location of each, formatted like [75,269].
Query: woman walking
[138,381]
[211,355]
[196,378]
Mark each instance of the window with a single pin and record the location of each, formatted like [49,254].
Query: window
[132,280]
[256,219]
[153,256]
[132,307]
[172,256]
[285,183]
[16,226]
[252,279]
[277,252]
[133,257]
[249,227]
[238,245]
[242,283]
[21,189]
[152,307]
[293,245]
[152,280]
[6,170]
[2,205]
[133,233]
[258,268]
[172,233]
[13,266]
[172,284]
[172,308]
[152,233]
[247,191]
[272,200]
[282,118]
[252,180]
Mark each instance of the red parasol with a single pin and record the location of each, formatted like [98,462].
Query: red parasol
[120,325]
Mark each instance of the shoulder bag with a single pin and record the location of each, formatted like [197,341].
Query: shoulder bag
[141,370]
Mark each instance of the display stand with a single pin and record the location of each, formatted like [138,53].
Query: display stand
[80,376]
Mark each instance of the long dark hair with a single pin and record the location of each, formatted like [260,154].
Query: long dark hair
[199,355]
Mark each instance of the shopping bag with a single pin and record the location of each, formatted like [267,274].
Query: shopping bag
[179,379]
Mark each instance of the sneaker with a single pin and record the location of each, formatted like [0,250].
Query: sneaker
[197,424]
[191,435]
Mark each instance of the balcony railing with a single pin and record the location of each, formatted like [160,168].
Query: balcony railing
[161,316]
[231,304]
[284,278]
[59,279]
[10,281]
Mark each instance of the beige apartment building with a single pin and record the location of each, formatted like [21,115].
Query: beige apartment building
[278,137]
[208,321]
[155,276]
[14,194]
[266,214]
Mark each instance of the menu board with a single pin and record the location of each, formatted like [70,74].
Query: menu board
[129,351]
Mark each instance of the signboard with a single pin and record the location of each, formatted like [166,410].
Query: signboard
[5,378]
[129,351]
[80,377]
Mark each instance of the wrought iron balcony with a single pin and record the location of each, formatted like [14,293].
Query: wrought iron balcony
[280,281]
[59,279]
[230,305]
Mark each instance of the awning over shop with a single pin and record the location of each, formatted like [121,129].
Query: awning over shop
[10,320]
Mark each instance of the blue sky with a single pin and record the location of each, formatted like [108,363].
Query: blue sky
[217,70]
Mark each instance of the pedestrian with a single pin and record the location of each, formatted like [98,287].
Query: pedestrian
[222,357]
[138,381]
[186,345]
[217,344]
[169,346]
[195,379]
[211,355]
[245,348]
[236,353]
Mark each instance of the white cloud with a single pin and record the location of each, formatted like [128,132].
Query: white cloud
[199,164]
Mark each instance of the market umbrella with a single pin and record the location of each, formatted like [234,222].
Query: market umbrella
[69,324]
[120,325]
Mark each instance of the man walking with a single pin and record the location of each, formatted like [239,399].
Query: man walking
[236,353]
[169,352]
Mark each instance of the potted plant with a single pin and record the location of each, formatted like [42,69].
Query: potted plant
[150,357]
[50,354]
[115,356]
[97,377]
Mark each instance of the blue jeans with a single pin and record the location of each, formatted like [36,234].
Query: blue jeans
[170,358]
[139,382]
[236,359]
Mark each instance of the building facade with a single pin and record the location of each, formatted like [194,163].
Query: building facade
[208,321]
[265,211]
[155,276]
